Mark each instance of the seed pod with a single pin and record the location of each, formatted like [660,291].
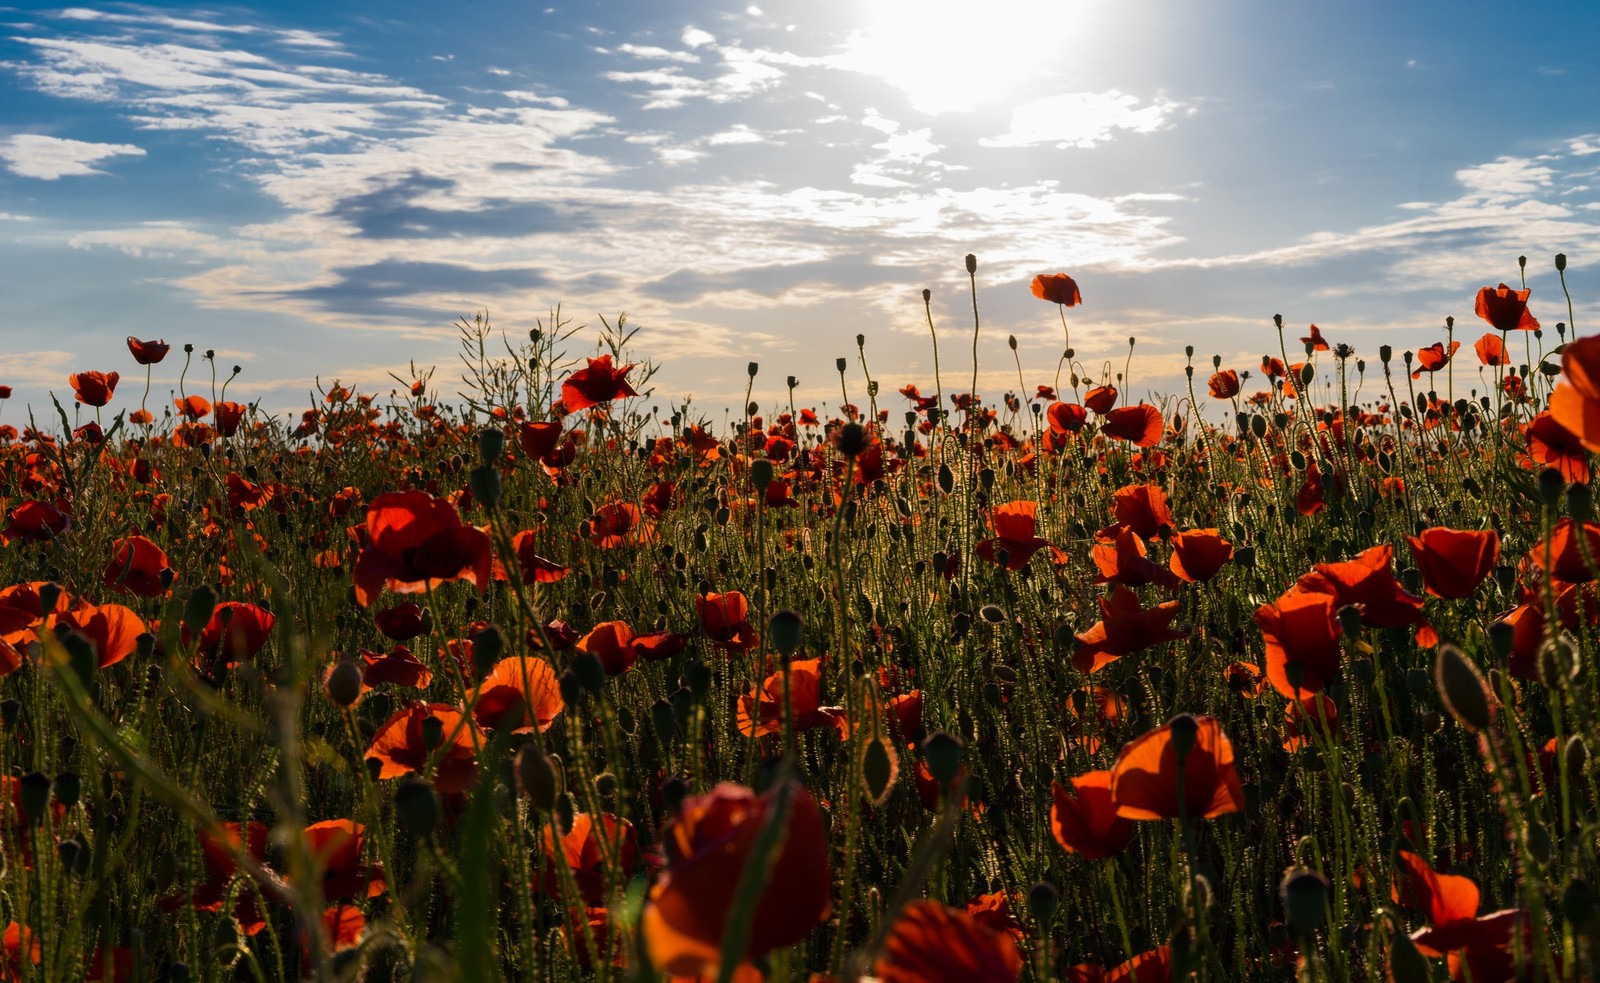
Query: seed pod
[1463,689]
[343,684]
[1304,894]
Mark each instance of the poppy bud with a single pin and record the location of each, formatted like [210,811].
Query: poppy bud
[1558,661]
[343,684]
[69,851]
[1522,262]
[992,614]
[432,732]
[943,754]
[663,721]
[972,263]
[1575,758]
[785,628]
[416,805]
[698,678]
[1404,961]
[591,672]
[488,645]
[1580,503]
[1462,688]
[491,444]
[485,484]
[68,787]
[1350,620]
[1561,262]
[1551,485]
[197,609]
[1011,340]
[1043,898]
[33,795]
[1304,894]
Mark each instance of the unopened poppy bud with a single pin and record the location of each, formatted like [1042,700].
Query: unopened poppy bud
[1561,262]
[1011,340]
[1558,661]
[1462,688]
[49,595]
[491,444]
[1575,757]
[851,439]
[785,629]
[197,609]
[486,485]
[761,474]
[1043,898]
[571,689]
[1578,902]
[663,721]
[488,645]
[1277,321]
[752,369]
[68,787]
[1502,638]
[343,684]
[1304,894]
[943,754]
[1551,485]
[1350,620]
[416,805]
[1404,961]
[1580,503]
[69,851]
[698,678]
[972,263]
[432,732]
[1522,262]
[946,478]
[33,795]
[992,614]
[10,712]
[1184,729]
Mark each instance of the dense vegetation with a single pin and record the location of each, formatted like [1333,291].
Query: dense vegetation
[538,682]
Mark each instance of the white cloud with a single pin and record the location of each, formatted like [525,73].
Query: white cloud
[1082,119]
[658,54]
[696,38]
[50,158]
[739,133]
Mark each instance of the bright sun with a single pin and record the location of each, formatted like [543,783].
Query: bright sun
[952,55]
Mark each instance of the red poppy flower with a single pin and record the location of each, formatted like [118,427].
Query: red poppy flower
[1066,417]
[217,854]
[336,846]
[538,440]
[1245,678]
[1448,902]
[1140,423]
[601,382]
[534,568]
[1057,288]
[1015,526]
[113,629]
[1101,399]
[1367,582]
[1125,562]
[1142,508]
[1454,561]
[931,943]
[1144,779]
[707,845]
[659,645]
[415,541]
[1197,554]
[136,567]
[402,622]
[519,694]
[1154,966]
[397,667]
[229,415]
[1300,630]
[583,853]
[1552,445]
[1086,821]
[1506,309]
[724,619]
[192,407]
[235,633]
[1124,628]
[1225,384]
[760,711]
[612,643]
[1491,349]
[94,388]
[36,522]
[1434,357]
[612,525]
[1566,557]
[1307,717]
[400,748]
[148,352]
[1315,340]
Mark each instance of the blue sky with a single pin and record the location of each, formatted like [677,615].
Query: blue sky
[321,189]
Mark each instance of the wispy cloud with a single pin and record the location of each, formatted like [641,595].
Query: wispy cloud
[51,158]
[1083,119]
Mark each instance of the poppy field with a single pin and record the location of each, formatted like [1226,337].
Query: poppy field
[516,676]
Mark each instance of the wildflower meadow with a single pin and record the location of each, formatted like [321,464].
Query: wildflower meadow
[508,673]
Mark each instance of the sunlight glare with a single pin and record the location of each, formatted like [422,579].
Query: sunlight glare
[951,56]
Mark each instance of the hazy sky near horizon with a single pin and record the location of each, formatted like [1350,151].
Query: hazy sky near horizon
[322,189]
